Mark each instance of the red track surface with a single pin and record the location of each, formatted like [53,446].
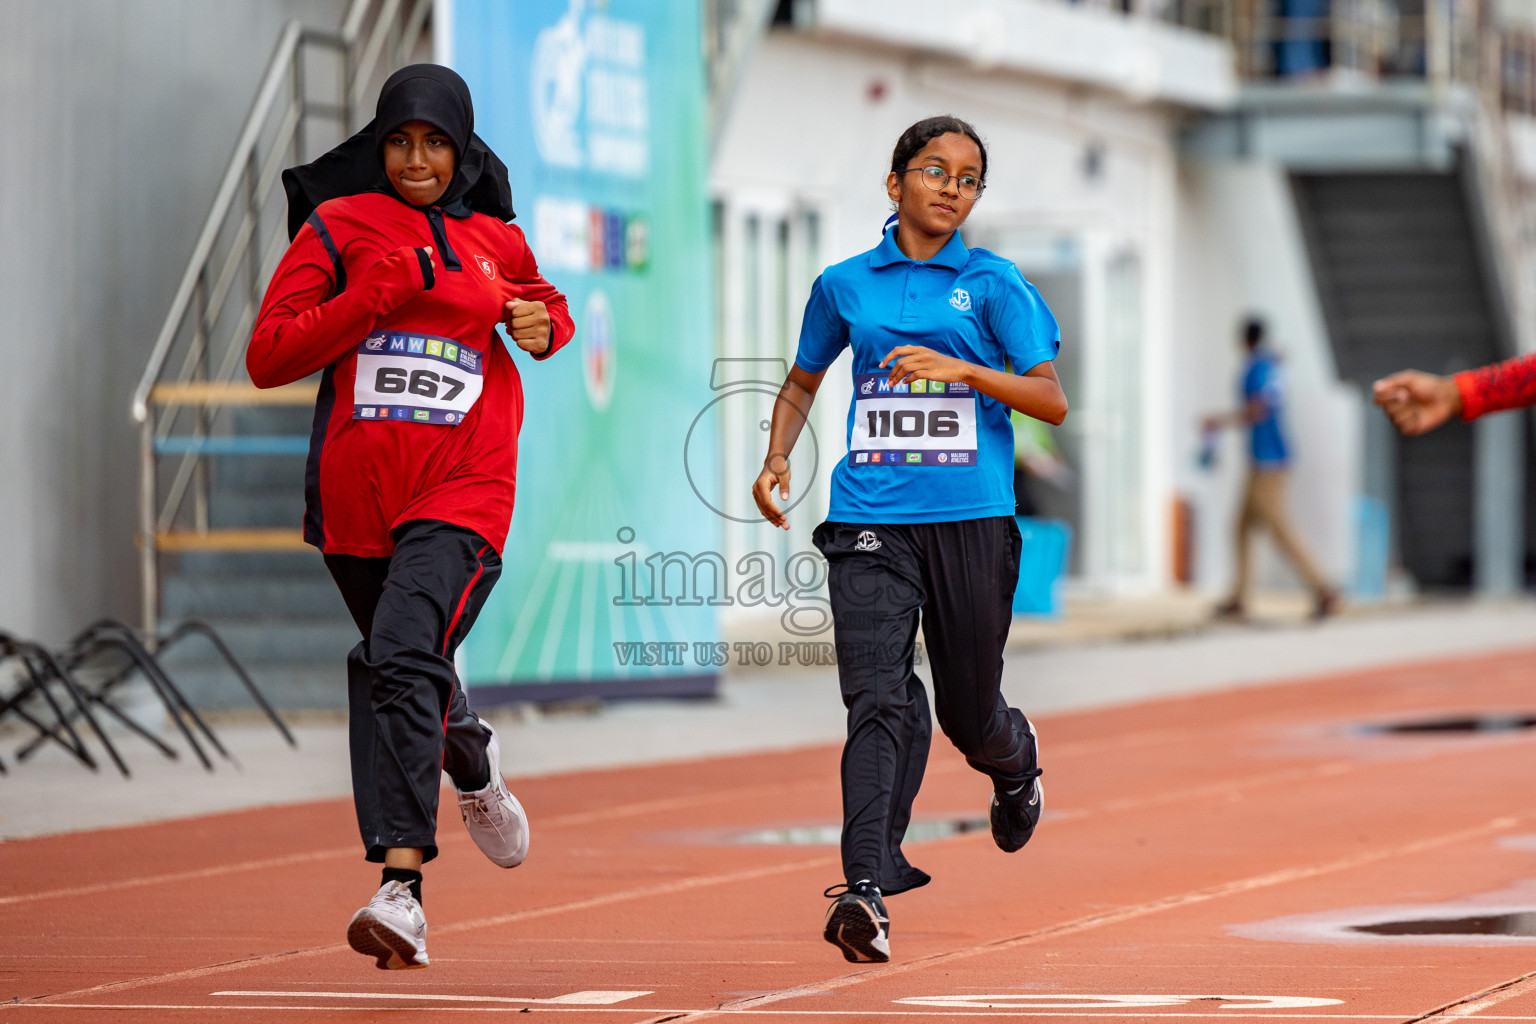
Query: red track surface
[1168,825]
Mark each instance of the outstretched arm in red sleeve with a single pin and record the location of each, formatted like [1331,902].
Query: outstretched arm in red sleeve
[1507,385]
[538,319]
[299,332]
[1418,402]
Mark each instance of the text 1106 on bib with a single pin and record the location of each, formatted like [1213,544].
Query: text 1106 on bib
[917,423]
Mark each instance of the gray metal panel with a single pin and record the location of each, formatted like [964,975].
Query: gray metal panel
[130,109]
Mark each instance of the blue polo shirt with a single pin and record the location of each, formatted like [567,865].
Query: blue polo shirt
[937,452]
[1266,436]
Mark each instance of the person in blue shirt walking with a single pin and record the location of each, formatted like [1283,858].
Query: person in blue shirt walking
[1264,499]
[946,340]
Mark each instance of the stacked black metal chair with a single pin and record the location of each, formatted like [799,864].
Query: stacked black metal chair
[51,699]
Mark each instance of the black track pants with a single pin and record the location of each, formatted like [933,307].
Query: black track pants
[961,577]
[408,719]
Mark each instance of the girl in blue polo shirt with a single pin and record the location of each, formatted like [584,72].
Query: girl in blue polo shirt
[946,340]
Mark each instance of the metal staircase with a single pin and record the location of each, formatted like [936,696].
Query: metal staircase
[221,462]
[1403,282]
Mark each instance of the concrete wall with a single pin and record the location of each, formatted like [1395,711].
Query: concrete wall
[122,114]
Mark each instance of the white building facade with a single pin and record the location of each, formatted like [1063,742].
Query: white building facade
[1135,248]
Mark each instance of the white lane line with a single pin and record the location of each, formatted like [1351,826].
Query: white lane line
[554,821]
[1062,1001]
[1137,1018]
[642,892]
[1475,1003]
[699,962]
[593,998]
[181,876]
[586,903]
[739,793]
[1116,915]
[646,807]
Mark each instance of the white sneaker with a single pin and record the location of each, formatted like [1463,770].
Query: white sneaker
[391,928]
[495,819]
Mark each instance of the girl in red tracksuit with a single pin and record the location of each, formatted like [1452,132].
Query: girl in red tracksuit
[401,266]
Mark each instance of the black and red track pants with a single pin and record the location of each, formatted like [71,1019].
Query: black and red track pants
[408,718]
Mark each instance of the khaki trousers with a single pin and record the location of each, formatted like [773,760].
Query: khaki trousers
[1264,505]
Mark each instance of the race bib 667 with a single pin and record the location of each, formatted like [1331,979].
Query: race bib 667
[416,378]
[918,423]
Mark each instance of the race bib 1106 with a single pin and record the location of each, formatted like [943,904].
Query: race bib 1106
[416,378]
[919,423]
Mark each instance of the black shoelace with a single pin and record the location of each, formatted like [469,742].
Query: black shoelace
[1029,778]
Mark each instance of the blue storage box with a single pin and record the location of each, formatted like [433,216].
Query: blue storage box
[1042,561]
[1373,549]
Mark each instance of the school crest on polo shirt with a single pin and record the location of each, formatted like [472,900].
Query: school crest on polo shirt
[960,299]
[486,266]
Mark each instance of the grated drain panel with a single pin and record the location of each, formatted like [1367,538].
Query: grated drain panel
[1455,724]
[1517,923]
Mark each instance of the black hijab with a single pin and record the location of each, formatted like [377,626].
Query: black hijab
[418,92]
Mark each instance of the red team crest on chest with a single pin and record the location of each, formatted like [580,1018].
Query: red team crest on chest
[486,266]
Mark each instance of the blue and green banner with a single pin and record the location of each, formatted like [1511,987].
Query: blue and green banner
[598,110]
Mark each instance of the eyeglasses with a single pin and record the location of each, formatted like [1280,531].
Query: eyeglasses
[936,178]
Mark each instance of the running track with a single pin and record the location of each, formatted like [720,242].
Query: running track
[1178,833]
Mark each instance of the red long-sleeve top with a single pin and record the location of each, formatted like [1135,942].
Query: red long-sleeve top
[1507,385]
[405,438]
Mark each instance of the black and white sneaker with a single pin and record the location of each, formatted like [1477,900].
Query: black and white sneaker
[1015,813]
[857,923]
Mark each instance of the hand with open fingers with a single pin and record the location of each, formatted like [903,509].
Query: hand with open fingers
[528,324]
[775,474]
[1417,402]
[914,362]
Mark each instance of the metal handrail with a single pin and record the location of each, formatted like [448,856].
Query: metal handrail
[733,30]
[366,54]
[235,254]
[278,69]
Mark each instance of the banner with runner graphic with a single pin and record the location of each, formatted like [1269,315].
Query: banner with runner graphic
[598,110]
